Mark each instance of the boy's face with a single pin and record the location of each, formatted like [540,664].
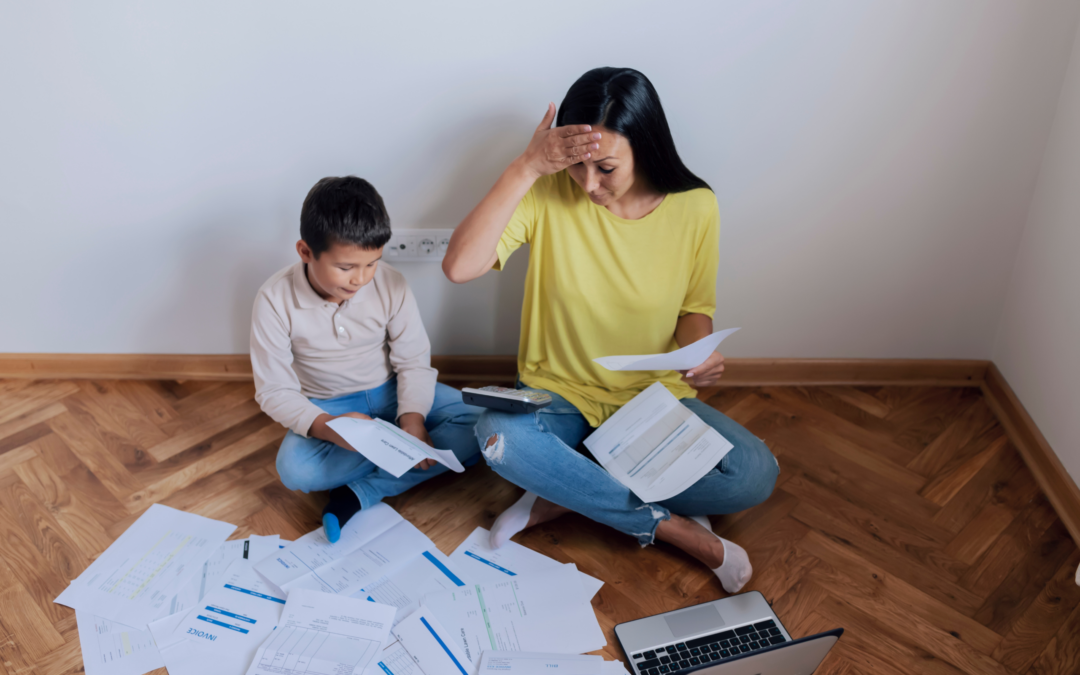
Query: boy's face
[341,270]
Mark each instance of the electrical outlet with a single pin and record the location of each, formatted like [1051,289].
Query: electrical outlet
[417,245]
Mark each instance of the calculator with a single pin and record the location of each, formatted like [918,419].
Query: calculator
[506,400]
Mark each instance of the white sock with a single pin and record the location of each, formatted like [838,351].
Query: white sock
[736,570]
[512,520]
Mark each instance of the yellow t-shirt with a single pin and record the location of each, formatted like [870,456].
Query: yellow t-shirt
[601,285]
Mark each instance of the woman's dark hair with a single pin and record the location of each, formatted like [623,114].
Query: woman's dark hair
[623,100]
[344,210]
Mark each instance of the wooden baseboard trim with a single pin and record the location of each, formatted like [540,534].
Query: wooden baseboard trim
[1059,487]
[740,372]
[229,367]
[1040,458]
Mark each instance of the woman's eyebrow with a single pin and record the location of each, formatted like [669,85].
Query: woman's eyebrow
[604,159]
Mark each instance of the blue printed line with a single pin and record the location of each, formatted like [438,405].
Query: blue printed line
[257,595]
[443,645]
[443,569]
[385,669]
[224,625]
[238,617]
[488,562]
[371,598]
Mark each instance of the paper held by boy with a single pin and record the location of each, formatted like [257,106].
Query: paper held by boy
[656,446]
[690,356]
[389,447]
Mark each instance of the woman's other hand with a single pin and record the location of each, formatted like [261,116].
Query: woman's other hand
[552,150]
[707,374]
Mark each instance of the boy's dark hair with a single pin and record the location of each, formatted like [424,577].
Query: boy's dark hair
[346,210]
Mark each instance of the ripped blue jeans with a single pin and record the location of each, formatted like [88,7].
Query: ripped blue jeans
[536,451]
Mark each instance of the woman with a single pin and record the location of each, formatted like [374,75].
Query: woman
[624,243]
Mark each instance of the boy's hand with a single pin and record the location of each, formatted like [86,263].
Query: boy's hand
[321,431]
[413,424]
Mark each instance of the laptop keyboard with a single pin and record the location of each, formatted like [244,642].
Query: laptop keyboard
[680,656]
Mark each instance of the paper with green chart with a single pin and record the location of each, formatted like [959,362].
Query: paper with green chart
[389,447]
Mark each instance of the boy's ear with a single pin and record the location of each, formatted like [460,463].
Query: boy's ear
[305,251]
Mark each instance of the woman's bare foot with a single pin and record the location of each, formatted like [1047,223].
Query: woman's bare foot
[528,511]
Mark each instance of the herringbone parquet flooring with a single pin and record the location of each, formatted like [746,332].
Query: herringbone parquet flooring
[902,514]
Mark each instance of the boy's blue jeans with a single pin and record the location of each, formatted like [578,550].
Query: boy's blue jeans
[310,465]
[536,451]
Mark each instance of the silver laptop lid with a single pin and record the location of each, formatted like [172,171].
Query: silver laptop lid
[798,657]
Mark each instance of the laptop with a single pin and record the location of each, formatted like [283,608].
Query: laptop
[737,635]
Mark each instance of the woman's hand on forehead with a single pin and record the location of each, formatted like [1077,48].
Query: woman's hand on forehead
[553,149]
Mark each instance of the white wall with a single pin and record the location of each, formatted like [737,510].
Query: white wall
[1038,344]
[873,160]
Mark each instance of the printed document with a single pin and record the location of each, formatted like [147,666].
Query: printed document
[110,648]
[222,633]
[133,581]
[389,447]
[324,634]
[429,646]
[365,564]
[429,572]
[314,551]
[532,663]
[656,446]
[690,356]
[542,612]
[482,563]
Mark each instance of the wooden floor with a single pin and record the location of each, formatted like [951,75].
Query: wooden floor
[902,514]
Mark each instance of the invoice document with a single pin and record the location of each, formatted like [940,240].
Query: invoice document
[482,563]
[690,356]
[542,612]
[656,446]
[133,581]
[429,645]
[324,634]
[533,663]
[429,572]
[110,648]
[389,447]
[240,611]
[222,634]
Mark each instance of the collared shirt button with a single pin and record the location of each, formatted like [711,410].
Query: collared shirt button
[341,329]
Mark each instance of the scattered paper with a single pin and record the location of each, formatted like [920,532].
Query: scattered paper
[690,356]
[133,581]
[532,663]
[481,562]
[325,634]
[110,648]
[493,616]
[429,572]
[389,447]
[313,550]
[430,646]
[656,446]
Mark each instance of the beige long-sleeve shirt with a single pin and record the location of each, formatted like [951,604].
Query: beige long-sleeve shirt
[303,346]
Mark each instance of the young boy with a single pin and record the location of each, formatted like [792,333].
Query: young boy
[339,335]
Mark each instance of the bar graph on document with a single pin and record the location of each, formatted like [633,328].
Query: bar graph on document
[301,651]
[154,570]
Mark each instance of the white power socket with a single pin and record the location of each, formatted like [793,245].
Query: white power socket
[417,245]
